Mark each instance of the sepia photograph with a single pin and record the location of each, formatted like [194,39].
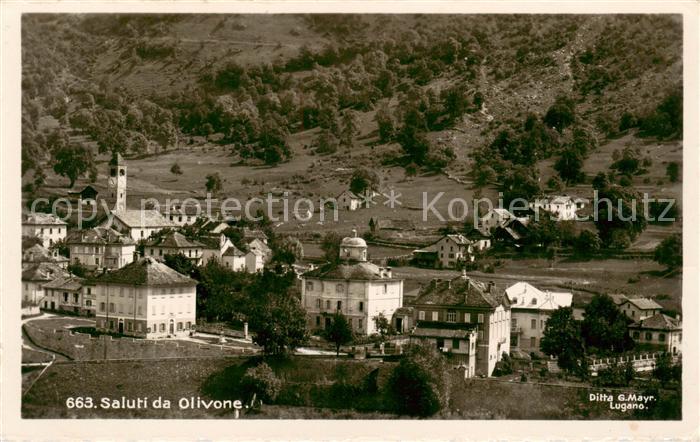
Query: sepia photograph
[352,216]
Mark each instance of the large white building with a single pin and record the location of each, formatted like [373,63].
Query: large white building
[35,276]
[145,299]
[564,207]
[100,247]
[49,228]
[530,310]
[357,288]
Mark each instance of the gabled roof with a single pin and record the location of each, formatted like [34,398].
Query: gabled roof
[349,193]
[658,322]
[643,303]
[525,296]
[42,272]
[98,235]
[461,292]
[39,253]
[70,282]
[254,234]
[212,241]
[361,271]
[43,219]
[233,251]
[136,218]
[257,244]
[173,240]
[144,272]
[619,299]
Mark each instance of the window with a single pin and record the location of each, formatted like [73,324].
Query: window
[480,318]
[542,324]
[148,329]
[97,249]
[89,291]
[533,324]
[179,326]
[88,303]
[451,316]
[130,326]
[339,288]
[75,297]
[533,341]
[97,261]
[189,324]
[481,335]
[162,327]
[635,335]
[362,306]
[467,317]
[359,323]
[455,344]
[440,343]
[648,336]
[138,327]
[328,304]
[662,337]
[152,252]
[318,303]
[140,310]
[421,315]
[111,307]
[102,306]
[141,233]
[318,321]
[339,305]
[65,297]
[385,287]
[435,316]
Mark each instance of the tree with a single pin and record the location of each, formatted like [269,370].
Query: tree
[569,166]
[261,381]
[665,371]
[214,183]
[600,181]
[175,169]
[383,326]
[628,164]
[179,263]
[279,322]
[604,326]
[669,252]
[587,243]
[339,332]
[672,171]
[561,114]
[418,385]
[326,143]
[330,244]
[288,251]
[363,180]
[73,161]
[562,338]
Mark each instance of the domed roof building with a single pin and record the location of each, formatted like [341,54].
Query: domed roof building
[354,286]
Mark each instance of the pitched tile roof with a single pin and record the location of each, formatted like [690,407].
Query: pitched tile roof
[233,251]
[173,240]
[644,303]
[658,322]
[42,271]
[98,235]
[42,219]
[146,271]
[39,253]
[525,296]
[254,233]
[463,292]
[143,218]
[257,244]
[363,271]
[70,282]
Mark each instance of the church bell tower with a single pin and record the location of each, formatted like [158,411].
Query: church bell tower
[117,182]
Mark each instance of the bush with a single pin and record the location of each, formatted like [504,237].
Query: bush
[175,169]
[504,366]
[262,381]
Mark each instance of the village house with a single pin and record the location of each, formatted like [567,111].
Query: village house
[35,276]
[68,294]
[87,196]
[38,253]
[45,226]
[452,250]
[173,243]
[457,341]
[145,299]
[513,232]
[255,260]
[214,246]
[100,247]
[253,234]
[639,308]
[564,207]
[138,224]
[660,332]
[235,259]
[348,200]
[357,288]
[181,215]
[494,218]
[472,304]
[530,308]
